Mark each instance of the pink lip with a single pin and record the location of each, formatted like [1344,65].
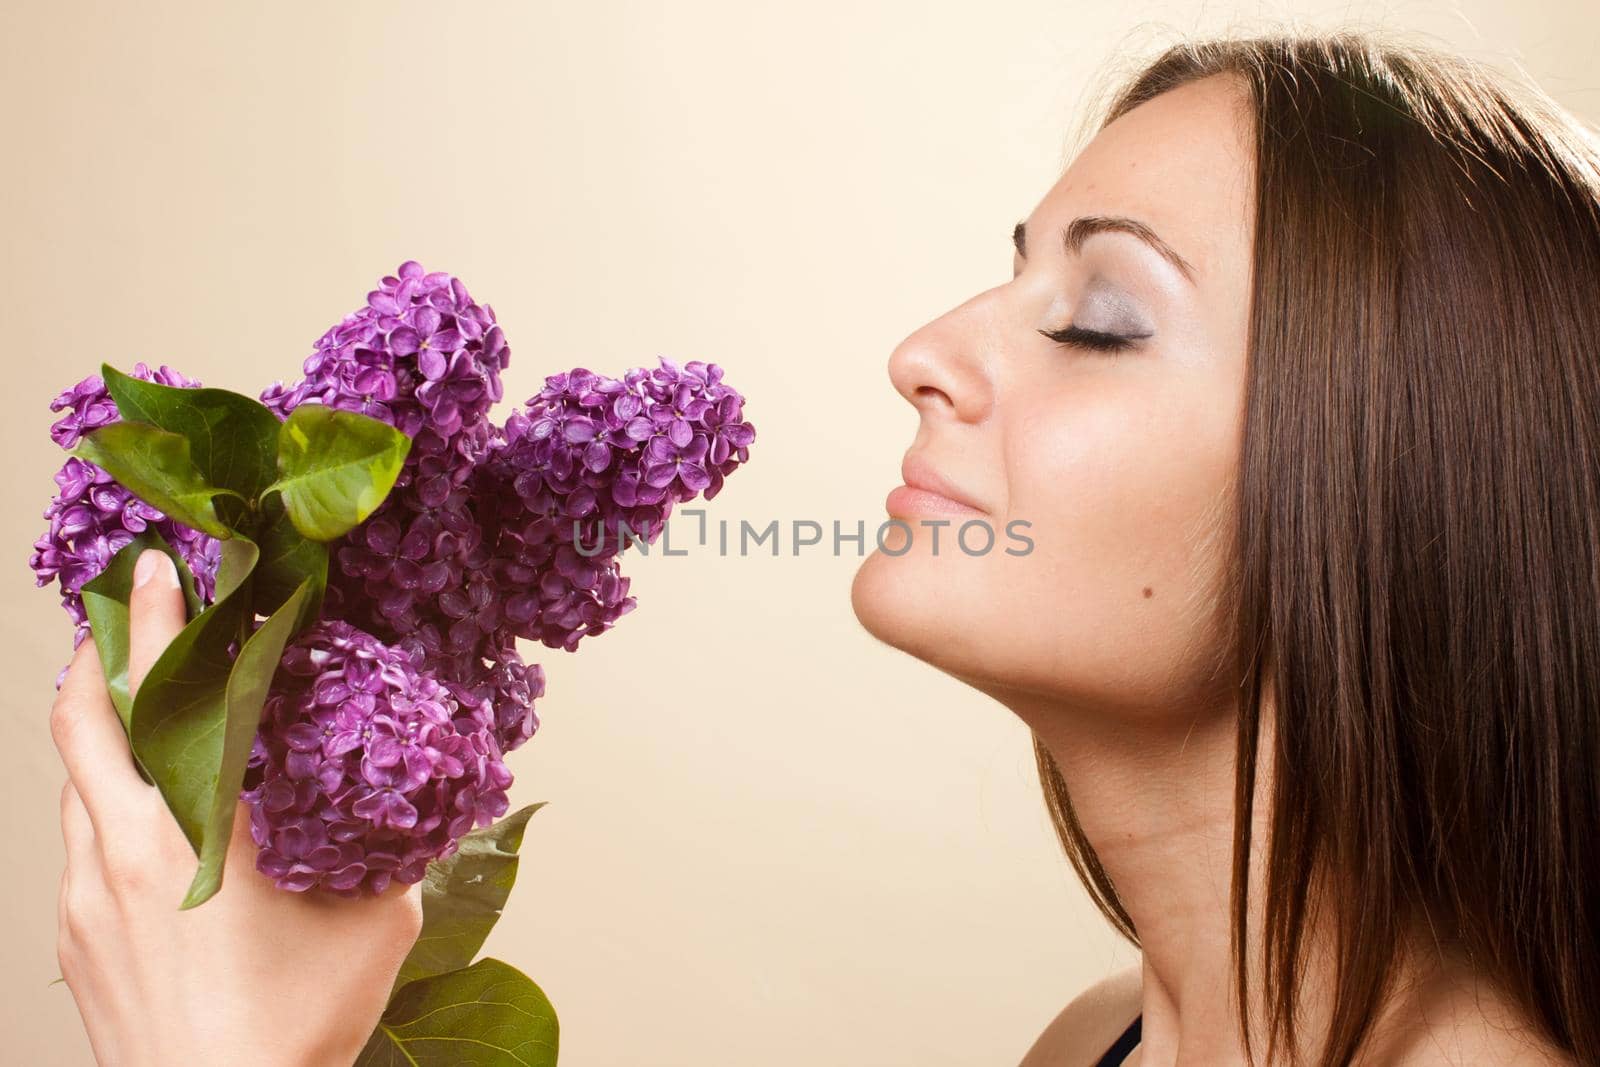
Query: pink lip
[925,491]
[908,500]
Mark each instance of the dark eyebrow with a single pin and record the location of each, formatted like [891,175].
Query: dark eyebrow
[1083,227]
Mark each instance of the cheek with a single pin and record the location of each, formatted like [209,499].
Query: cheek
[1125,482]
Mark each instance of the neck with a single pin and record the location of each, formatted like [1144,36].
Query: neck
[1154,796]
[1155,799]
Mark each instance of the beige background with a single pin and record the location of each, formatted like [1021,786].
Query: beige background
[770,839]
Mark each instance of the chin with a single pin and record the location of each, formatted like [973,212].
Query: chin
[916,603]
[872,596]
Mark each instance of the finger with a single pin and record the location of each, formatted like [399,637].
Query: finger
[90,738]
[77,831]
[156,612]
[242,847]
[61,908]
[66,944]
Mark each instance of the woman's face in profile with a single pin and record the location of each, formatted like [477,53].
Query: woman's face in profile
[1120,459]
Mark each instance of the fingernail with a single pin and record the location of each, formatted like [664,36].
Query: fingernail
[151,562]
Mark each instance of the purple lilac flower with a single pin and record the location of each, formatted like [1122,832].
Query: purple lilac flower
[599,457]
[422,356]
[92,517]
[505,688]
[366,767]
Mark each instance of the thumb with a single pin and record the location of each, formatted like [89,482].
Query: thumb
[156,612]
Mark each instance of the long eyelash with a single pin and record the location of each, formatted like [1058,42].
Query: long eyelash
[1077,337]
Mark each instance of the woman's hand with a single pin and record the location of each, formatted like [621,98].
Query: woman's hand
[256,975]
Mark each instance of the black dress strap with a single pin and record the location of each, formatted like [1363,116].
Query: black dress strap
[1123,1045]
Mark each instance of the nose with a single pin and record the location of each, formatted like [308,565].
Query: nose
[940,368]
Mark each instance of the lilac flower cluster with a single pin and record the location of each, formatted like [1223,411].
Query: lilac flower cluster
[594,464]
[424,357]
[365,768]
[92,517]
[384,737]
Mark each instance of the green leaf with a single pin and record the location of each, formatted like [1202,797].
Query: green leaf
[180,712]
[486,1015]
[233,438]
[246,692]
[462,897]
[287,558]
[335,467]
[105,602]
[156,466]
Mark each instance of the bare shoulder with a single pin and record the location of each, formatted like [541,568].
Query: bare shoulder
[1464,1021]
[1088,1025]
[1474,1042]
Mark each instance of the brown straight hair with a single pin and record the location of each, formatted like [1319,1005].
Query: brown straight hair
[1415,579]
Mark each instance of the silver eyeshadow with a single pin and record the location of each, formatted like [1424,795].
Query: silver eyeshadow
[1107,310]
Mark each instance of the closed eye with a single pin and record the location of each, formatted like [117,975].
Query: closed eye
[1095,340]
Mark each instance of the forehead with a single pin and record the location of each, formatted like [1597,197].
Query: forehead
[1182,163]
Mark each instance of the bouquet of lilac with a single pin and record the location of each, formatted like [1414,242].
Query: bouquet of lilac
[360,551]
